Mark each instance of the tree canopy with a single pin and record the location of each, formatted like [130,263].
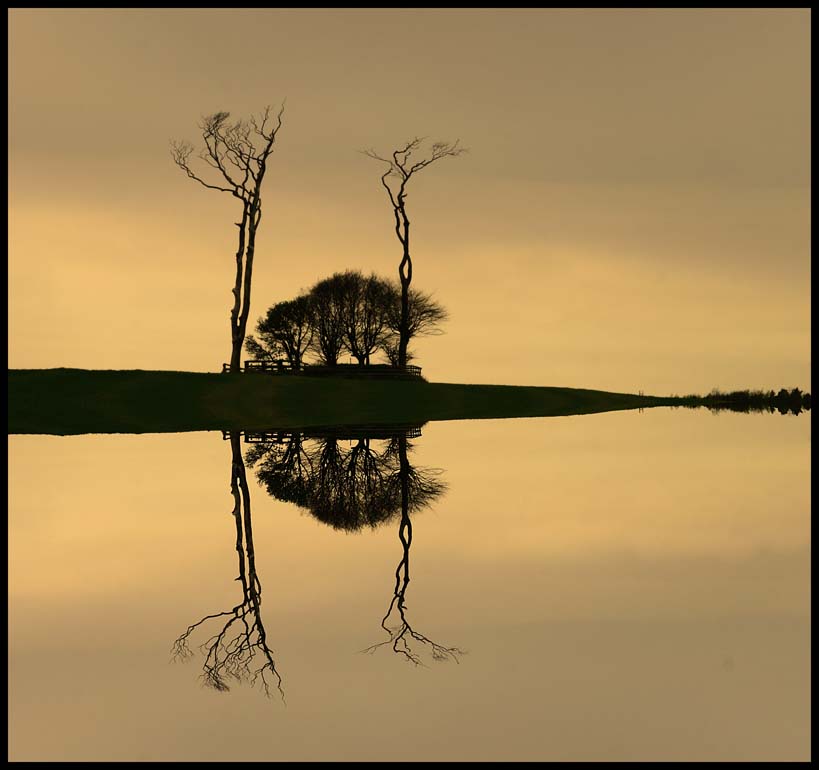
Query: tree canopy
[347,312]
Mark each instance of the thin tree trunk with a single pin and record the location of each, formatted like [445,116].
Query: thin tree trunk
[241,290]
[236,339]
[253,224]
[405,274]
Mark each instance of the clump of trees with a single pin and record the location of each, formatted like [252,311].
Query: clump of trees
[347,313]
[785,401]
[347,487]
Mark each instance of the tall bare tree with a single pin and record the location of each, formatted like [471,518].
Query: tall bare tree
[395,179]
[236,153]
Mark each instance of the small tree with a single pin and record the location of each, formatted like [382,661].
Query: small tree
[367,302]
[424,318]
[394,180]
[285,330]
[237,155]
[328,302]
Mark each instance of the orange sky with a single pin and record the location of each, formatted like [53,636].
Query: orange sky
[633,213]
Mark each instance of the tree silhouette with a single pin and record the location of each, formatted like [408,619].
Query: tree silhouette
[237,154]
[350,489]
[784,402]
[400,169]
[239,649]
[424,318]
[328,302]
[368,301]
[403,638]
[286,330]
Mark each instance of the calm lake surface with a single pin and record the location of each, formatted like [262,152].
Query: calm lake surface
[625,586]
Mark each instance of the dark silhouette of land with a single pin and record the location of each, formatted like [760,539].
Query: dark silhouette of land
[784,401]
[70,401]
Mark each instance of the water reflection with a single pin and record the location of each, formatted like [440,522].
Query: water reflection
[403,638]
[366,484]
[347,487]
[239,650]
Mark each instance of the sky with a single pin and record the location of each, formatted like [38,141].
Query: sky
[632,214]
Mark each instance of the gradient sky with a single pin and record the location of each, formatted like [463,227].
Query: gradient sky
[633,213]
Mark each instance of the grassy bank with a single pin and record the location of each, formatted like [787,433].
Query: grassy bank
[69,401]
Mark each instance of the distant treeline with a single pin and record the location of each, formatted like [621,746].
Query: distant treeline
[785,401]
[347,313]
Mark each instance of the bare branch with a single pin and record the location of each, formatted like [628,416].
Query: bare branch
[181,152]
[398,166]
[234,154]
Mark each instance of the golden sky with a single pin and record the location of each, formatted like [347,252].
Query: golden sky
[633,213]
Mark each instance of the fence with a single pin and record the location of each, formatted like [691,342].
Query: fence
[339,370]
[341,432]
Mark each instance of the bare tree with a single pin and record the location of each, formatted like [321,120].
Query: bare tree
[237,154]
[400,170]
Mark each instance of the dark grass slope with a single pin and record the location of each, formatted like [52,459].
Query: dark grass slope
[69,401]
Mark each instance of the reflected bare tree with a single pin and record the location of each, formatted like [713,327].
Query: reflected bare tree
[239,649]
[366,485]
[403,638]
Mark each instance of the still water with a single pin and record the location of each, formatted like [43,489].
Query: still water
[619,586]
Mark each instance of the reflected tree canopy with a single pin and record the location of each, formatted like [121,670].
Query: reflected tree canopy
[238,650]
[352,479]
[347,480]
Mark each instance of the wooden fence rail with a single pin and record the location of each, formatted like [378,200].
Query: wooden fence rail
[341,432]
[317,370]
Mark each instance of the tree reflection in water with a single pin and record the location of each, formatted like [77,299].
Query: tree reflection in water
[365,485]
[239,651]
[403,635]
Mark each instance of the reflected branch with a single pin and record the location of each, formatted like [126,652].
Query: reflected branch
[238,651]
[403,635]
[367,484]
